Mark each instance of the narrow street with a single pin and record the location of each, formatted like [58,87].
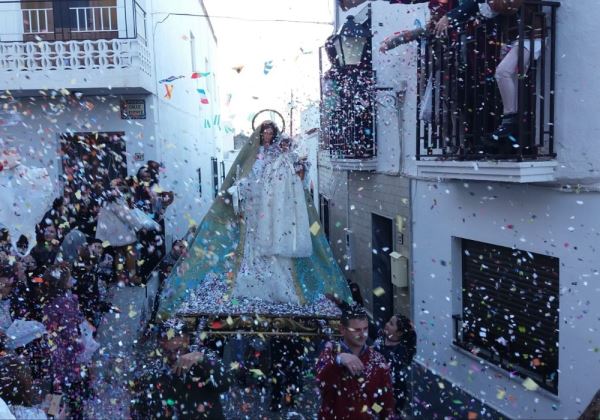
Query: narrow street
[299,209]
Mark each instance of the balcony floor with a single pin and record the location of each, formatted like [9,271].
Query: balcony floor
[341,164]
[499,171]
[116,66]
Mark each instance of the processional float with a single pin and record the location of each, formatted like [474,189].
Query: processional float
[199,289]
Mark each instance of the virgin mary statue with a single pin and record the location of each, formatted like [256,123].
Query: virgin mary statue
[260,247]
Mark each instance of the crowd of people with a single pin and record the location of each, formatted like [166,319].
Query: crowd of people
[53,295]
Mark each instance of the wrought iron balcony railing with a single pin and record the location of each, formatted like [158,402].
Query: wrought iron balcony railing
[348,114]
[459,103]
[66,35]
[66,20]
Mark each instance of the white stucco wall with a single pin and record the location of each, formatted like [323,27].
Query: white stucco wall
[395,69]
[545,221]
[577,88]
[174,132]
[186,141]
[42,121]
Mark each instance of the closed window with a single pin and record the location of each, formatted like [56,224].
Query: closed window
[215,175]
[510,302]
[324,213]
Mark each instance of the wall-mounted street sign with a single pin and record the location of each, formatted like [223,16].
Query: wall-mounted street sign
[133,109]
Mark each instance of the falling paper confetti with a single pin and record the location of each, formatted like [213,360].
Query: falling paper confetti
[203,96]
[530,385]
[168,91]
[314,229]
[268,67]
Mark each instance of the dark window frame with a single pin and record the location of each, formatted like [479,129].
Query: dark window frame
[215,175]
[324,214]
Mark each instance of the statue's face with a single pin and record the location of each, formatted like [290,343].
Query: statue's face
[267,136]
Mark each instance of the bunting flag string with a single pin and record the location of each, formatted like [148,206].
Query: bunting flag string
[197,75]
[170,79]
[203,96]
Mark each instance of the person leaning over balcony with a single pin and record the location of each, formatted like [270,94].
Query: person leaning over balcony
[437,10]
[507,70]
[354,380]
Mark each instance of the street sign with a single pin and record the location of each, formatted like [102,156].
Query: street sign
[133,109]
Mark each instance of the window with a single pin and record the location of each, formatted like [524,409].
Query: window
[199,170]
[510,310]
[222,171]
[324,213]
[215,175]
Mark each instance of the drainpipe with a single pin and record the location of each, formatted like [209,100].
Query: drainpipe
[336,15]
[401,103]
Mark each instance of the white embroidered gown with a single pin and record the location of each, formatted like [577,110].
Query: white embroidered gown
[277,228]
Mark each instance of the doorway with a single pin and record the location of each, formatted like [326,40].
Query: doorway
[382,243]
[90,161]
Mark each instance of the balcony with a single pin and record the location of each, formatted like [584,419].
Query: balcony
[347,122]
[348,129]
[460,105]
[54,45]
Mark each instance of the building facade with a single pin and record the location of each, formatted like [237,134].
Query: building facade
[503,240]
[364,200]
[112,82]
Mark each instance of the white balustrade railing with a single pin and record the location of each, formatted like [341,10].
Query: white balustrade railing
[94,19]
[74,55]
[35,21]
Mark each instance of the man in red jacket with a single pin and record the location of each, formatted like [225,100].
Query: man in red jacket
[354,380]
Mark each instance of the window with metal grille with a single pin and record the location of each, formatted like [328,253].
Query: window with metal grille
[215,175]
[223,171]
[510,307]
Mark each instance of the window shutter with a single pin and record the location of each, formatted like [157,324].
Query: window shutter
[510,309]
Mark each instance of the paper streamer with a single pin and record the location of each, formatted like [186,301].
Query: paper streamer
[169,91]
